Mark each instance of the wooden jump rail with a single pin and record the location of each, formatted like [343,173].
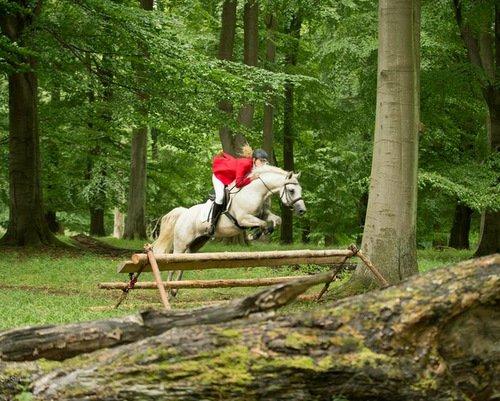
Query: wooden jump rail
[148,262]
[221,283]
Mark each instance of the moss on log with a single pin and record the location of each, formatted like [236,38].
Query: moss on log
[433,337]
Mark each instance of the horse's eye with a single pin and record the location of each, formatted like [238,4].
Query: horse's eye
[292,190]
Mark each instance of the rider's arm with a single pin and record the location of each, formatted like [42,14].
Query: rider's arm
[242,169]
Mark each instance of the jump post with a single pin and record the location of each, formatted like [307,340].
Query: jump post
[148,262]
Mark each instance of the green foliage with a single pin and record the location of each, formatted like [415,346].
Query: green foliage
[478,190]
[106,67]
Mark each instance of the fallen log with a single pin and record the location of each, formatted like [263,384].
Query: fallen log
[94,245]
[433,337]
[62,342]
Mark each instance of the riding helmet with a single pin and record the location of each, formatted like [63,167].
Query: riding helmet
[260,154]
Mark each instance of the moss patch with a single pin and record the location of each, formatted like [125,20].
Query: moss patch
[297,340]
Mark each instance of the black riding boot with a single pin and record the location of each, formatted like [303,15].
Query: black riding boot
[216,211]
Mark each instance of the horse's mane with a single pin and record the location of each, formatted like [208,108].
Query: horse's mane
[267,168]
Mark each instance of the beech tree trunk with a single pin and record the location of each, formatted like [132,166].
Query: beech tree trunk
[432,337]
[155,133]
[27,224]
[95,175]
[103,124]
[459,235]
[489,241]
[293,31]
[489,234]
[389,237]
[490,221]
[268,134]
[97,222]
[226,46]
[306,231]
[135,222]
[250,57]
[118,224]
[98,197]
[484,55]
[51,219]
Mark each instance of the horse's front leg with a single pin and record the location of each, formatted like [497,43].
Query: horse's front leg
[249,220]
[273,219]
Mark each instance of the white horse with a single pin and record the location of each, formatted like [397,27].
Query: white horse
[185,230]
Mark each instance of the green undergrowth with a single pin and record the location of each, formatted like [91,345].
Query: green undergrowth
[53,286]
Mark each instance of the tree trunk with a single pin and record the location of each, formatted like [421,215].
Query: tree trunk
[226,46]
[459,235]
[97,222]
[27,225]
[98,198]
[51,219]
[155,133]
[306,231]
[135,222]
[489,241]
[389,237]
[268,134]
[118,223]
[250,57]
[437,343]
[293,31]
[480,53]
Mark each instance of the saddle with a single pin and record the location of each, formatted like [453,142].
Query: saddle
[225,207]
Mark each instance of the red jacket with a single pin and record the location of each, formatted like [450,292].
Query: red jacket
[228,169]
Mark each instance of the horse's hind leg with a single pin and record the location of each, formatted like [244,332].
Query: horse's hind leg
[172,277]
[171,274]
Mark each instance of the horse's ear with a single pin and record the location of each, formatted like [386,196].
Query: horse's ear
[290,174]
[297,176]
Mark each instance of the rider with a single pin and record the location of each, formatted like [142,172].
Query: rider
[227,169]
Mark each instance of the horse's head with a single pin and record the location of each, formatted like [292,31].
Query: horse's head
[291,194]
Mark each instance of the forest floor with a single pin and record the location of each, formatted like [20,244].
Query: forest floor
[53,287]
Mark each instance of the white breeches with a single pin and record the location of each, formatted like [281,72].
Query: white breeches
[219,189]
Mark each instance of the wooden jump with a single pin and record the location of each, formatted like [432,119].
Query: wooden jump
[147,262]
[228,260]
[222,283]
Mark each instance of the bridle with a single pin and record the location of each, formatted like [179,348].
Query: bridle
[288,202]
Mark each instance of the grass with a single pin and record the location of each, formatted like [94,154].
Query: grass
[52,287]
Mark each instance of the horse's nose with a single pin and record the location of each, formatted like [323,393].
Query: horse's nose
[301,211]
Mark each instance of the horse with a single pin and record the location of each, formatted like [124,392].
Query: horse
[184,230]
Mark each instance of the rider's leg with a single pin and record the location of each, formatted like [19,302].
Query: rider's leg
[219,200]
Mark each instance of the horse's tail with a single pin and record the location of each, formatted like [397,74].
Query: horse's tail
[164,242]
